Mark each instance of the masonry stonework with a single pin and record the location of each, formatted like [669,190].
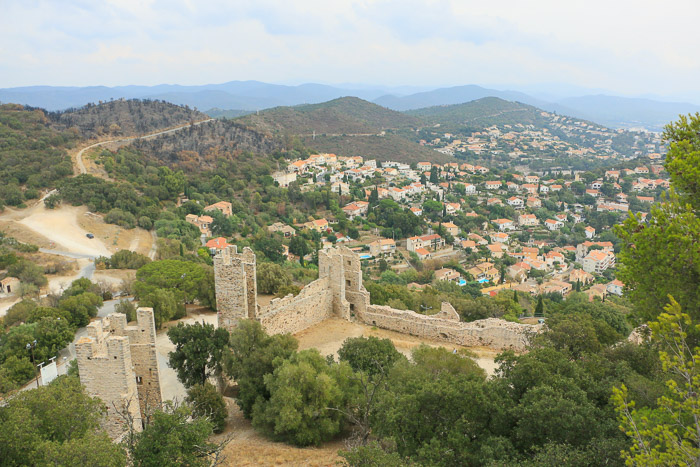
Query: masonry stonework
[236,286]
[118,364]
[338,292]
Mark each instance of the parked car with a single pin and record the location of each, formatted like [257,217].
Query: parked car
[89,235]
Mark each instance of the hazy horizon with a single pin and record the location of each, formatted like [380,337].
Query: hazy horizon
[429,44]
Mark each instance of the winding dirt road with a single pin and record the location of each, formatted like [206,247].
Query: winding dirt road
[79,156]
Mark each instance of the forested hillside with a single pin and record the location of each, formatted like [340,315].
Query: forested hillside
[124,117]
[346,115]
[32,154]
[382,147]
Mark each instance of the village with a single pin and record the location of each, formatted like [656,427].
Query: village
[486,230]
[559,136]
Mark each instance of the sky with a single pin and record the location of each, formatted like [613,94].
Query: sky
[626,47]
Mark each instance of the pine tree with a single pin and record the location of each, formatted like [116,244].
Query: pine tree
[578,285]
[539,309]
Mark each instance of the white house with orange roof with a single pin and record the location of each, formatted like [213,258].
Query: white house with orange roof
[504,224]
[553,224]
[516,202]
[499,237]
[432,242]
[493,184]
[383,246]
[589,231]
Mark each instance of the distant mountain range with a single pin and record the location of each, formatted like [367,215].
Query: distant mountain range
[246,96]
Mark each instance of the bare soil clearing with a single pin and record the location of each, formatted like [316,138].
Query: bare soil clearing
[65,229]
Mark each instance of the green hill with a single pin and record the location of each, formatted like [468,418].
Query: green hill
[387,147]
[346,115]
[32,154]
[482,113]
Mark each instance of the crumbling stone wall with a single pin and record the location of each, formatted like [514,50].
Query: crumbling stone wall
[494,333]
[119,364]
[339,292]
[293,314]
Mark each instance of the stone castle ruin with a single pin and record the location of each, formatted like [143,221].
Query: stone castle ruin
[119,364]
[338,292]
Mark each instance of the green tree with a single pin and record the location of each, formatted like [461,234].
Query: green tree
[303,390]
[299,246]
[28,272]
[54,424]
[253,355]
[271,277]
[539,308]
[81,307]
[667,434]
[199,352]
[165,304]
[191,281]
[207,403]
[173,438]
[369,354]
[660,257]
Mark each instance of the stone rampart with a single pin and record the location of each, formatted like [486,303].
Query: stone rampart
[292,314]
[493,333]
[338,292]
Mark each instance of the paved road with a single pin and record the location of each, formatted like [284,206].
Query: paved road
[79,156]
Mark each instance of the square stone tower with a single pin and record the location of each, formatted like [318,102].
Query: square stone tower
[236,286]
[344,270]
[105,366]
[144,357]
[119,364]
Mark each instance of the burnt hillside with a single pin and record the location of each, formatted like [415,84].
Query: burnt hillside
[123,118]
[199,147]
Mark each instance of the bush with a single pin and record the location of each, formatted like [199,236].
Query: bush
[208,403]
[124,259]
[122,218]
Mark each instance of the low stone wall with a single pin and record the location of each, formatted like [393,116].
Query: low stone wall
[293,314]
[494,333]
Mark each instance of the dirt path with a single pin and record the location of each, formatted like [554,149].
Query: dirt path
[79,155]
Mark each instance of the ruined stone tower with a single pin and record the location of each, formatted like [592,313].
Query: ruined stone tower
[236,286]
[119,364]
[343,269]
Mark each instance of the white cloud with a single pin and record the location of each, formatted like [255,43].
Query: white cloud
[635,47]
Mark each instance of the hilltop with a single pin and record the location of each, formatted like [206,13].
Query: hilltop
[346,115]
[123,117]
[482,113]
